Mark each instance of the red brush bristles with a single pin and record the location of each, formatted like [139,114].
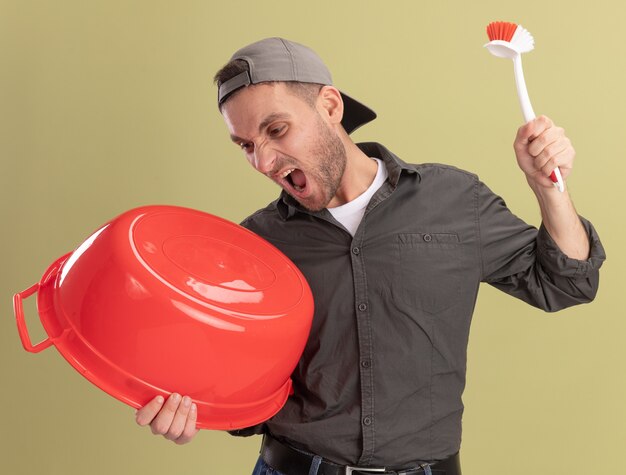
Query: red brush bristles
[501,30]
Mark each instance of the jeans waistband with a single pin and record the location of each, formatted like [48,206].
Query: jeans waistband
[292,461]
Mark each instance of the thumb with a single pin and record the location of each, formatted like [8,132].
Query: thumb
[525,134]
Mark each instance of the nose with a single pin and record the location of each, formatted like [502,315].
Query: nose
[264,159]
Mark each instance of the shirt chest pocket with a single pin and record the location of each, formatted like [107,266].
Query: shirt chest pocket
[428,266]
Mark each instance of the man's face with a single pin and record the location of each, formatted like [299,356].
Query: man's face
[287,140]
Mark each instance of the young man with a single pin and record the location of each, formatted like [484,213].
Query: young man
[394,254]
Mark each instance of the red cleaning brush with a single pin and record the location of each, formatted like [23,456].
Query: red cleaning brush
[508,40]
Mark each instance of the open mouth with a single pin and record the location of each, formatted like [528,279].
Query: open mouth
[295,178]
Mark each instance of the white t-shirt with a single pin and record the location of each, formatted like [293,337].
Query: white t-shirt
[351,213]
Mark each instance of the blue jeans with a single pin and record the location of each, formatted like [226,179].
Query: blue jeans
[261,468]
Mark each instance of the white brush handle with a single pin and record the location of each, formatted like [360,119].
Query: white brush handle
[529,114]
[522,92]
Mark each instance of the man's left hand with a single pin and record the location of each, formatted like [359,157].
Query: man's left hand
[540,146]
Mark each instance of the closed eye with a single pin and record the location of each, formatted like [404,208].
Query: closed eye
[275,132]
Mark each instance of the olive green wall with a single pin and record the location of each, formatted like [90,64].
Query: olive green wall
[107,105]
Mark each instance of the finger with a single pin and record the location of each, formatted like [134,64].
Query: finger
[190,426]
[549,152]
[562,160]
[540,124]
[546,138]
[162,422]
[147,413]
[527,132]
[180,418]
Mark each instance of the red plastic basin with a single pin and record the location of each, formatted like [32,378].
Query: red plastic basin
[166,299]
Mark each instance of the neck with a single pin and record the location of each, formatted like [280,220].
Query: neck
[358,176]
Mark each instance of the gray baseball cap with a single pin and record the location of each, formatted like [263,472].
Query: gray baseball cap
[277,59]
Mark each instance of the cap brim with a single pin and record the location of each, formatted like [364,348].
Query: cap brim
[355,114]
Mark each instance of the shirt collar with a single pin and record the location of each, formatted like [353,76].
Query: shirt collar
[288,206]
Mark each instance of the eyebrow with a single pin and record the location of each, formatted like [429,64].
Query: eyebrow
[264,123]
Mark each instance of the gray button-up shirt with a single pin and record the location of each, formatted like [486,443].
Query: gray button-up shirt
[381,377]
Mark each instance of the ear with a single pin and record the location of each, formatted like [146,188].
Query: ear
[330,104]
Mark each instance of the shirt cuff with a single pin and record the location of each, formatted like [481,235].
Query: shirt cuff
[555,261]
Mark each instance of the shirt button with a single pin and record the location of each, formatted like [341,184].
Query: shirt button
[428,237]
[366,363]
[363,307]
[356,251]
[367,421]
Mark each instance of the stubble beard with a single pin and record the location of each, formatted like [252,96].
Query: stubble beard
[332,158]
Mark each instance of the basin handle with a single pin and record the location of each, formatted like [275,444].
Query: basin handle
[18,308]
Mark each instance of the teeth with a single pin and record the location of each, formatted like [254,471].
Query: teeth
[298,188]
[287,172]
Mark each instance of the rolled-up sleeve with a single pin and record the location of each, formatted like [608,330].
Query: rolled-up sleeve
[525,262]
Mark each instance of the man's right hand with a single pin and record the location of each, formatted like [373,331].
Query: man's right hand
[174,419]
